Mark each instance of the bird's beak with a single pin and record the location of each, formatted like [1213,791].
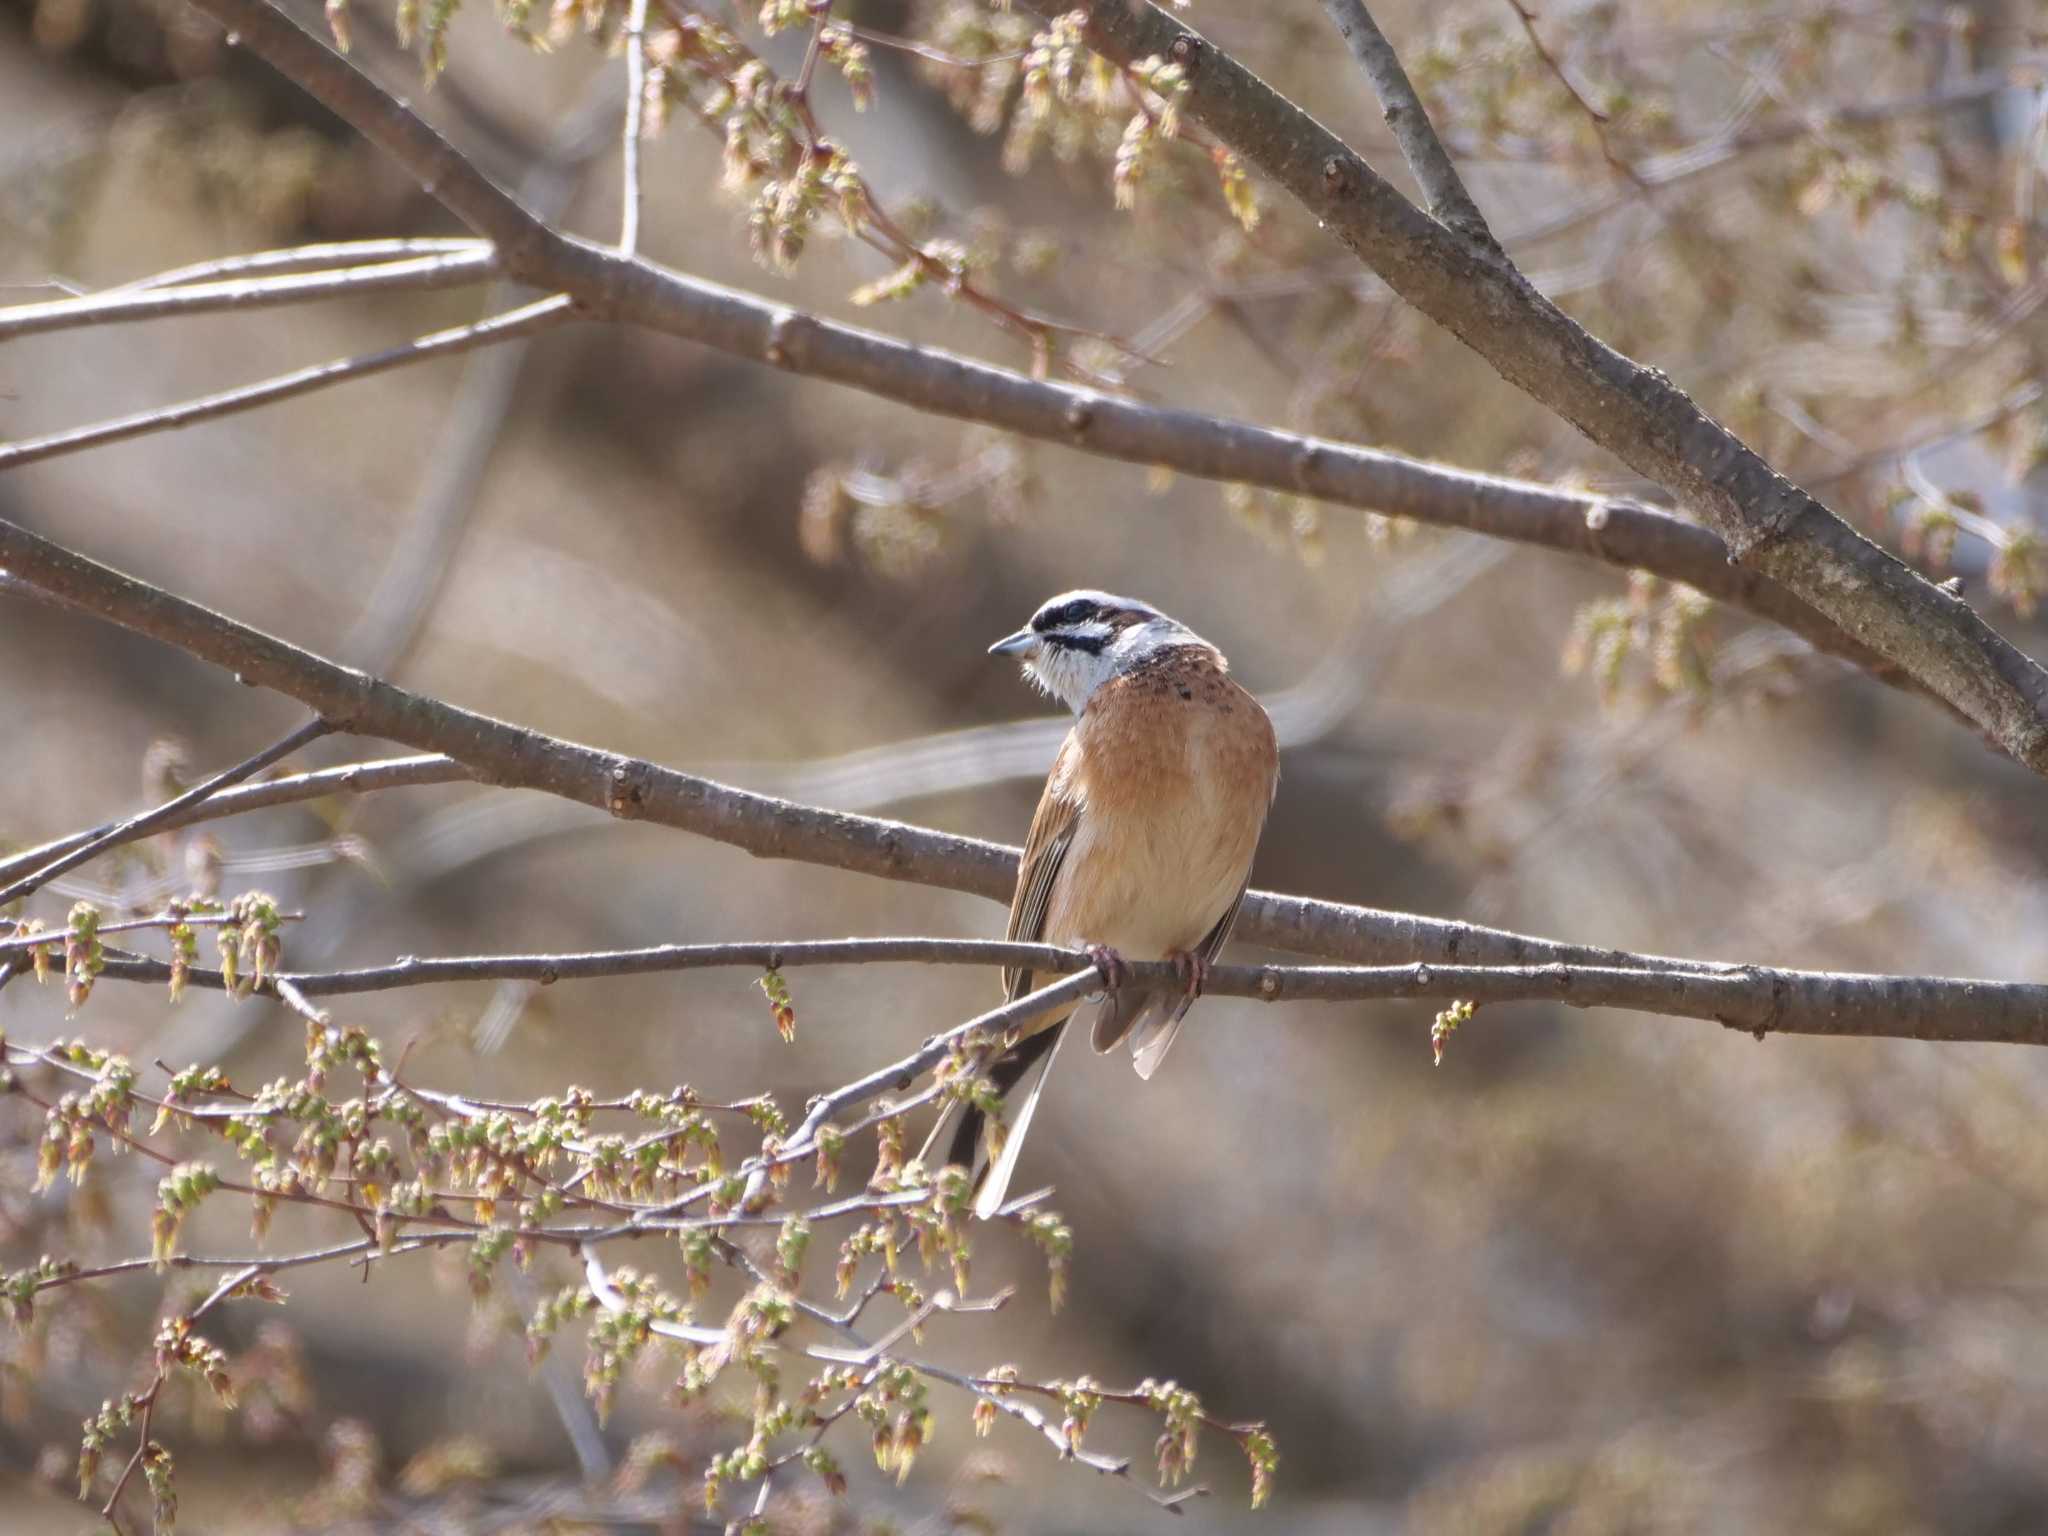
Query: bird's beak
[1022,643]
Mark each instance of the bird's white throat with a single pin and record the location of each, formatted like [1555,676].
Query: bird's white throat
[1070,673]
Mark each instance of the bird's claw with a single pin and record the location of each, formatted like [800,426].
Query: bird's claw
[1111,965]
[1193,970]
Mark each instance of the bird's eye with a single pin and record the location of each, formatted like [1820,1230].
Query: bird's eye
[1066,616]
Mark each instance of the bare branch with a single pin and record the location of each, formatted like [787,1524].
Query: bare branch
[46,939]
[452,269]
[322,256]
[609,286]
[1760,999]
[495,752]
[350,778]
[524,321]
[151,821]
[1635,412]
[1593,114]
[636,111]
[899,1075]
[1449,202]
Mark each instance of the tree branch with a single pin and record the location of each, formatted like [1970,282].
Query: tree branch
[451,269]
[154,820]
[1636,413]
[636,110]
[320,256]
[523,321]
[511,756]
[496,752]
[1449,203]
[32,941]
[1594,116]
[351,778]
[608,286]
[1760,999]
[899,1075]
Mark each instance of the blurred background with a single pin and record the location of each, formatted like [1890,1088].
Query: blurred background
[1597,1272]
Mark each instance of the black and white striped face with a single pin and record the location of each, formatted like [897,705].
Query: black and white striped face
[1079,640]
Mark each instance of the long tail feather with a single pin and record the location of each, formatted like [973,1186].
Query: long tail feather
[1155,1035]
[1020,1103]
[959,1136]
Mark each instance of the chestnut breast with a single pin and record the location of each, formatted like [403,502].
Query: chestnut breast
[1173,766]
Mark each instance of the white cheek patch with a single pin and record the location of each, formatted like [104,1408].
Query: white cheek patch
[1069,676]
[1038,673]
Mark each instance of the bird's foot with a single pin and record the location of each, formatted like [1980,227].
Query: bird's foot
[1111,964]
[1193,970]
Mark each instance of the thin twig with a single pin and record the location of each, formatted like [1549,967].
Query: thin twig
[348,779]
[452,269]
[863,1353]
[55,938]
[1593,114]
[154,820]
[927,51]
[524,321]
[901,1074]
[1442,188]
[636,110]
[321,256]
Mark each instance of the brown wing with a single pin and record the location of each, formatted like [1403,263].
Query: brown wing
[1019,1074]
[1045,850]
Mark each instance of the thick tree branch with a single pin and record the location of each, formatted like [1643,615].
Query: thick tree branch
[496,752]
[608,286]
[1430,163]
[449,269]
[524,321]
[1759,999]
[1634,412]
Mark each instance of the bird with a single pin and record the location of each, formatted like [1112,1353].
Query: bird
[1141,847]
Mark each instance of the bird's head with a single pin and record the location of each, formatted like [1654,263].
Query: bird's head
[1080,640]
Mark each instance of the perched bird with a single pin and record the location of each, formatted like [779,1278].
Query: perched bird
[1141,846]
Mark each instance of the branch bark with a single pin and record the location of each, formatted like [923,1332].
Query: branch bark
[1636,413]
[629,142]
[449,269]
[161,816]
[1759,999]
[351,778]
[611,287]
[495,752]
[321,256]
[1430,163]
[524,321]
